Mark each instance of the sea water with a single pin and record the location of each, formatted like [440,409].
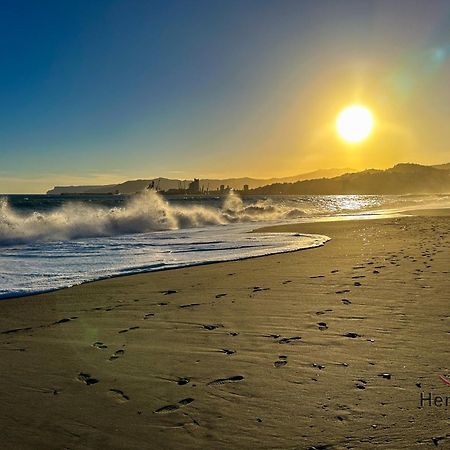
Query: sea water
[51,242]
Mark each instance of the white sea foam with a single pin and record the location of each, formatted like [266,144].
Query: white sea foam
[145,212]
[43,266]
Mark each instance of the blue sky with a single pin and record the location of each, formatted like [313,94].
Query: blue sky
[102,91]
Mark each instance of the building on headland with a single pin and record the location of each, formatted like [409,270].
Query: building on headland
[245,187]
[194,186]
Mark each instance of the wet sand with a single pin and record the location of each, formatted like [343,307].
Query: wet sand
[326,348]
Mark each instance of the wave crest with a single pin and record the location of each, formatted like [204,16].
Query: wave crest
[145,212]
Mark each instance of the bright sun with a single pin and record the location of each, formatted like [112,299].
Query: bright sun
[354,123]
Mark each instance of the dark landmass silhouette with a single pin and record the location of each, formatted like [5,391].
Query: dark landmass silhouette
[405,178]
[442,166]
[401,179]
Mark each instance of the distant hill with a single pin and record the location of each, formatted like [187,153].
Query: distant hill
[238,183]
[127,187]
[80,189]
[130,187]
[400,179]
[442,166]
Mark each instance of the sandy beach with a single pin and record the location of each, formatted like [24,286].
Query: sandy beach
[326,348]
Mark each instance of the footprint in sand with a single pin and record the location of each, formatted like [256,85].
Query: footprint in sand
[117,355]
[211,327]
[437,439]
[318,366]
[65,320]
[16,330]
[386,376]
[99,345]
[279,364]
[220,295]
[273,336]
[220,381]
[189,305]
[128,329]
[120,395]
[260,289]
[282,361]
[361,384]
[346,301]
[322,326]
[171,408]
[352,335]
[168,292]
[228,351]
[289,340]
[320,313]
[87,379]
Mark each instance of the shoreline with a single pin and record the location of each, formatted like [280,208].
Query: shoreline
[279,228]
[164,269]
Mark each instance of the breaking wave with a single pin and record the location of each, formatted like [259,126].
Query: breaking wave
[145,212]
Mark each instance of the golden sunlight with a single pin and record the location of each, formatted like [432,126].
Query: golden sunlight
[354,123]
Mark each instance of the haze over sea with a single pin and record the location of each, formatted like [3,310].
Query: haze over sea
[50,242]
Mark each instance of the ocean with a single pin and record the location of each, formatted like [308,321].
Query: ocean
[52,242]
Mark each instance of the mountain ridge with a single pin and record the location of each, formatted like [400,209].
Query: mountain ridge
[403,178]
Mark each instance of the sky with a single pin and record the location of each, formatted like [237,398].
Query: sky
[97,92]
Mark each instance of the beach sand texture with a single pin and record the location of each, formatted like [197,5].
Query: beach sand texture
[326,348]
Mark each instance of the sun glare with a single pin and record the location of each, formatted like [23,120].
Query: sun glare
[354,123]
